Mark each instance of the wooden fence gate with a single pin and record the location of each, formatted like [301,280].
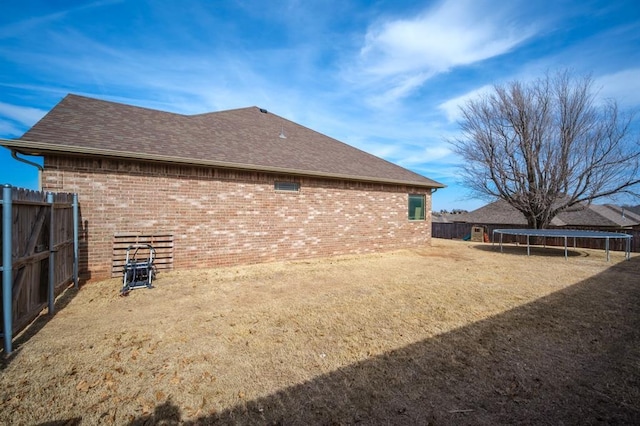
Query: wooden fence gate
[39,254]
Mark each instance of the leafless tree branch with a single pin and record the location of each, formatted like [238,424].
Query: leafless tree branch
[547,146]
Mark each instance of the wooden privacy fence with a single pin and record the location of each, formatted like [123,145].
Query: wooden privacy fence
[39,254]
[459,230]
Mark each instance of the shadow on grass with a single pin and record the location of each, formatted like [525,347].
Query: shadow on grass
[36,325]
[572,357]
[76,421]
[537,250]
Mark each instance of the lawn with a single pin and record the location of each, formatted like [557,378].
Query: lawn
[457,333]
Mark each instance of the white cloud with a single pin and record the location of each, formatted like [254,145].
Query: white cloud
[8,129]
[181,82]
[425,155]
[35,23]
[23,115]
[452,106]
[398,89]
[623,86]
[407,52]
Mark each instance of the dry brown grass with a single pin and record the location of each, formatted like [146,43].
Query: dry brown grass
[452,334]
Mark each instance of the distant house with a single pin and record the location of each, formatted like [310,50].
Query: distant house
[439,217]
[222,188]
[634,209]
[592,216]
[500,214]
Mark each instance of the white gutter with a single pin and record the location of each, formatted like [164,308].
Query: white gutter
[14,154]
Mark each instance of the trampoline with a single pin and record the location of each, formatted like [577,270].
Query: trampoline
[566,234]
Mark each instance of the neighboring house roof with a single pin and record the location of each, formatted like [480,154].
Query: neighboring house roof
[247,138]
[499,212]
[621,215]
[634,209]
[440,218]
[502,213]
[445,217]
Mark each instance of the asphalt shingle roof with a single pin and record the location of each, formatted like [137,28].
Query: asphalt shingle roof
[501,213]
[247,138]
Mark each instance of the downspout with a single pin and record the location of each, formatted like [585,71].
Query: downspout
[433,191]
[15,153]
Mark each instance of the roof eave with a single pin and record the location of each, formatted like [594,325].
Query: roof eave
[41,148]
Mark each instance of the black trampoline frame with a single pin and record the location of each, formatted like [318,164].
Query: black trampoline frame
[566,234]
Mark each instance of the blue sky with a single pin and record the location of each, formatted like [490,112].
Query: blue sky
[385,76]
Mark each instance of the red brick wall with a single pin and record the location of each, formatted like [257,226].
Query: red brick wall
[224,217]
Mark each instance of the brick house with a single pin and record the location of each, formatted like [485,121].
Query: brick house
[230,187]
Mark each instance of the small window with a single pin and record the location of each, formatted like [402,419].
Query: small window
[416,207]
[287,186]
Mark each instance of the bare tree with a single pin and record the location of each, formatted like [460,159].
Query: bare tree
[547,146]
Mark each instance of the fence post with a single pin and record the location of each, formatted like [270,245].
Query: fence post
[7,268]
[52,254]
[75,240]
